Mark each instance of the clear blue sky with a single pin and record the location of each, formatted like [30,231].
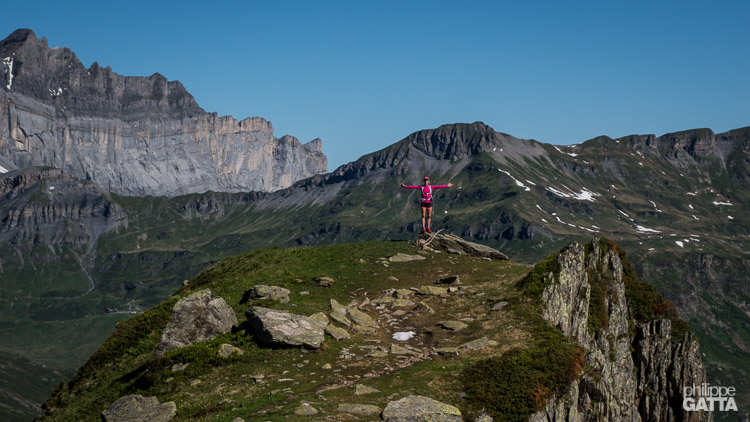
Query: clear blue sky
[363,74]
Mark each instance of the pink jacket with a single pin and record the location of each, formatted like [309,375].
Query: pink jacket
[426,191]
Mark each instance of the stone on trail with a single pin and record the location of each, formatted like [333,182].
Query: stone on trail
[361,329]
[284,328]
[399,350]
[136,408]
[358,409]
[423,307]
[337,333]
[499,305]
[402,257]
[452,325]
[305,409]
[420,409]
[400,303]
[263,292]
[196,317]
[454,244]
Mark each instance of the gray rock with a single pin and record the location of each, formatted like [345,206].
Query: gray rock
[454,244]
[452,325]
[320,317]
[263,292]
[401,303]
[305,409]
[278,327]
[337,307]
[340,318]
[420,409]
[358,409]
[499,305]
[361,329]
[242,420]
[136,408]
[477,344]
[361,318]
[361,389]
[324,281]
[433,291]
[228,350]
[179,366]
[423,307]
[402,257]
[196,317]
[137,135]
[400,350]
[337,333]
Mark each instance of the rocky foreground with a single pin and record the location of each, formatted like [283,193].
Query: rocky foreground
[394,332]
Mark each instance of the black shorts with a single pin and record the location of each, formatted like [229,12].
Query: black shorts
[426,205]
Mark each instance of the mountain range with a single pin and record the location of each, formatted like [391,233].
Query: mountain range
[81,247]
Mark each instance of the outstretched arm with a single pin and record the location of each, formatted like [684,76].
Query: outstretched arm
[442,186]
[409,186]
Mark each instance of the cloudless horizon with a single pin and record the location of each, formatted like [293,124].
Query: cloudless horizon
[363,75]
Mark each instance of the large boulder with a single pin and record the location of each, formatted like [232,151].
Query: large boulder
[136,408]
[420,409]
[197,317]
[284,328]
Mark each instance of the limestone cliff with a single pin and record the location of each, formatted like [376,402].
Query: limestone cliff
[134,135]
[636,370]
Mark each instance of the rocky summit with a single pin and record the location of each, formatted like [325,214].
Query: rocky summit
[580,338]
[133,135]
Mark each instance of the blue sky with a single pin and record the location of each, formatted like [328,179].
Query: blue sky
[362,75]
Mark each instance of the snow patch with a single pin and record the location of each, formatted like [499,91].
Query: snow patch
[530,182]
[8,62]
[730,217]
[623,213]
[680,244]
[545,221]
[655,207]
[55,92]
[3,169]
[651,249]
[566,153]
[692,193]
[584,195]
[721,203]
[691,206]
[403,335]
[51,188]
[640,164]
[641,229]
[518,182]
[540,209]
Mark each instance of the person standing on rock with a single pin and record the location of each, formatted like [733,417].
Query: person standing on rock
[426,204]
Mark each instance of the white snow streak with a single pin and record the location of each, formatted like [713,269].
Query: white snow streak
[584,195]
[730,217]
[3,169]
[8,62]
[566,153]
[691,206]
[692,193]
[680,244]
[696,217]
[721,203]
[641,229]
[655,207]
[545,220]
[518,182]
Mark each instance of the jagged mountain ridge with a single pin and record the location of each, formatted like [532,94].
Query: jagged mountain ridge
[134,135]
[506,192]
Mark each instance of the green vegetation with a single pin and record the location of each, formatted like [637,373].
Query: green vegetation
[518,383]
[538,278]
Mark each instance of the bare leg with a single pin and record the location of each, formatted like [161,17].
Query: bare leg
[423,214]
[429,217]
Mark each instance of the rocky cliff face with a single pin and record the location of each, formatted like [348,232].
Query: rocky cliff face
[134,135]
[636,370]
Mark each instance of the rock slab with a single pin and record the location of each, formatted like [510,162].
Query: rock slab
[136,408]
[284,328]
[420,409]
[197,317]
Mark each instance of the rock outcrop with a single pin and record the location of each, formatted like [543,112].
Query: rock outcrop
[134,135]
[284,328]
[632,377]
[454,244]
[197,317]
[136,408]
